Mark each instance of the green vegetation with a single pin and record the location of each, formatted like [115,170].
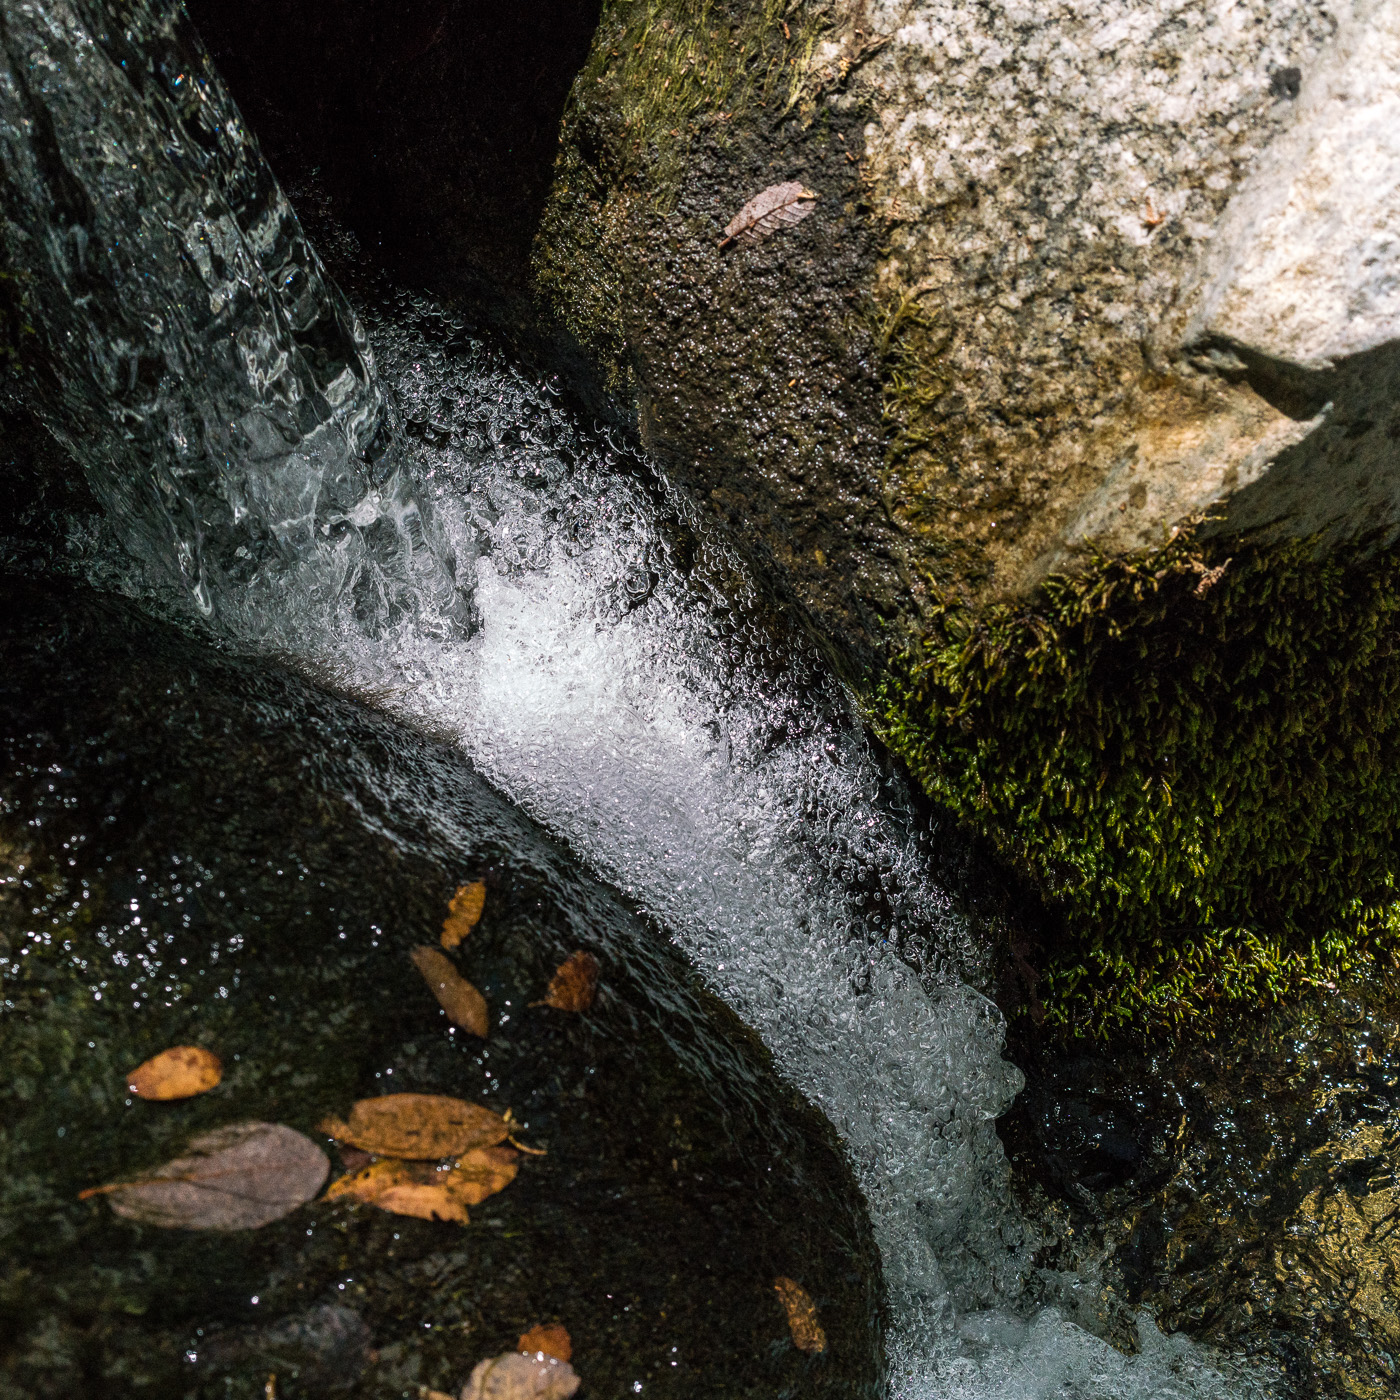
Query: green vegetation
[1195,758]
[656,74]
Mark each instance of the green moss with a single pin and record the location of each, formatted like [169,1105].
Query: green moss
[659,71]
[1196,758]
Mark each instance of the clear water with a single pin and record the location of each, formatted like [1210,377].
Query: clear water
[444,540]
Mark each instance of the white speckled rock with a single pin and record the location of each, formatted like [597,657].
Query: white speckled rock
[1163,240]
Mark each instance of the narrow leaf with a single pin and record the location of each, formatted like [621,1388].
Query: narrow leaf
[465,1006]
[178,1073]
[234,1178]
[803,1323]
[463,913]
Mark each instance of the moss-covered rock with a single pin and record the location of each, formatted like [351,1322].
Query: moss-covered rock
[1117,586]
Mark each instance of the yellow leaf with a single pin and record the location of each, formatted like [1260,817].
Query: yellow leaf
[418,1126]
[574,984]
[463,913]
[177,1073]
[806,1329]
[426,1191]
[465,1006]
[549,1339]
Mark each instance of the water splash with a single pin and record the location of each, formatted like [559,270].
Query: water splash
[481,564]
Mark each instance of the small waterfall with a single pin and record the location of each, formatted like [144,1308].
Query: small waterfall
[433,529]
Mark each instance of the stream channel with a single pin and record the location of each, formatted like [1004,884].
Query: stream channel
[359,610]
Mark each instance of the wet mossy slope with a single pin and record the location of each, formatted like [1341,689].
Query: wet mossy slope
[1190,752]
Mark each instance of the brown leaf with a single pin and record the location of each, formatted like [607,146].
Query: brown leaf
[806,1329]
[465,1006]
[234,1178]
[426,1191]
[768,211]
[574,984]
[178,1073]
[420,1126]
[515,1376]
[463,913]
[551,1338]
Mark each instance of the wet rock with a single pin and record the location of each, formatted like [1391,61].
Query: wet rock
[198,851]
[1259,1212]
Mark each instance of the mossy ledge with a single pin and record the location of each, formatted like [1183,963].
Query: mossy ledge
[1194,755]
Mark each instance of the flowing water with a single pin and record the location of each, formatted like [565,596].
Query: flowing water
[388,504]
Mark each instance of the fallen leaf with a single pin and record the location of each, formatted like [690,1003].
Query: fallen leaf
[574,984]
[463,913]
[178,1073]
[427,1191]
[465,1006]
[425,1394]
[551,1338]
[768,211]
[234,1178]
[807,1333]
[515,1376]
[420,1126]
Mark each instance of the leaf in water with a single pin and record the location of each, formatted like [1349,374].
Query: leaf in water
[465,1006]
[768,211]
[551,1338]
[806,1329]
[421,1126]
[574,984]
[463,913]
[515,1376]
[235,1178]
[427,1191]
[178,1073]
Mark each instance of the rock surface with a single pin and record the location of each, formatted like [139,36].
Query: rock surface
[1144,228]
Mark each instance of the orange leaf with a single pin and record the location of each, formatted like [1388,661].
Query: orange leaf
[574,984]
[465,1006]
[550,1338]
[806,1329]
[177,1073]
[418,1126]
[428,1192]
[481,1173]
[463,913]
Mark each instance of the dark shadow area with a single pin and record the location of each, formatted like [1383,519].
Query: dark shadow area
[431,125]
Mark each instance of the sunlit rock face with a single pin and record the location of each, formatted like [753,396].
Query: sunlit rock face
[1157,242]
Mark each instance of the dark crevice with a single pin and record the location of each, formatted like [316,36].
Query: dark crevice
[431,125]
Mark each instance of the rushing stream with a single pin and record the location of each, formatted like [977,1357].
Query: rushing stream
[384,502]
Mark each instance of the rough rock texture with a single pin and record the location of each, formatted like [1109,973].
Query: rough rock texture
[1145,228]
[1123,276]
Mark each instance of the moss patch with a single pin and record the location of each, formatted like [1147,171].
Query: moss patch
[1197,760]
[659,72]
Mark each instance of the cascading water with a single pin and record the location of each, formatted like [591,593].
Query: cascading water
[437,533]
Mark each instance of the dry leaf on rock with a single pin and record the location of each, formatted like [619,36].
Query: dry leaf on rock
[768,211]
[551,1338]
[574,984]
[516,1376]
[463,913]
[177,1073]
[465,1006]
[427,1191]
[235,1178]
[419,1126]
[807,1333]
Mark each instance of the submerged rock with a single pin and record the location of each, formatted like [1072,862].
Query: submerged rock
[197,851]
